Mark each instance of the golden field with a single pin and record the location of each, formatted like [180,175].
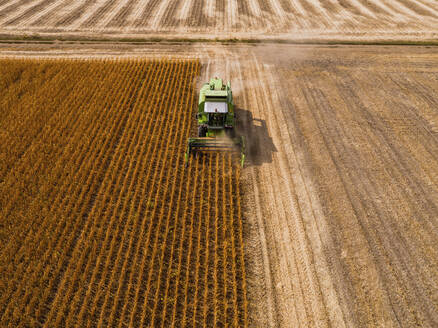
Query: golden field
[101,222]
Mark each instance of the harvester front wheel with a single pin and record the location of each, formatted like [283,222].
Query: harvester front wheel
[202,131]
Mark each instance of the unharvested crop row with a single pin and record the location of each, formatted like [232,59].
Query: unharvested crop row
[101,223]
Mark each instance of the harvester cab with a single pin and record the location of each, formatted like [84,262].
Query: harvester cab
[216,122]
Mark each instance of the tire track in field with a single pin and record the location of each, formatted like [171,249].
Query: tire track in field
[221,14]
[326,238]
[296,12]
[420,8]
[46,14]
[357,8]
[425,87]
[401,9]
[392,202]
[75,14]
[421,268]
[315,103]
[99,14]
[53,14]
[279,15]
[255,13]
[310,307]
[311,237]
[120,18]
[363,184]
[143,20]
[373,9]
[284,288]
[195,15]
[155,24]
[185,11]
[28,13]
[370,188]
[170,17]
[120,8]
[210,9]
[273,229]
[419,148]
[258,266]
[243,11]
[10,8]
[4,3]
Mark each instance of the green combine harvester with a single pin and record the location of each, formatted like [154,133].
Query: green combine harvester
[216,122]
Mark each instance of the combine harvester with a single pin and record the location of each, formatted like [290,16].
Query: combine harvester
[216,122]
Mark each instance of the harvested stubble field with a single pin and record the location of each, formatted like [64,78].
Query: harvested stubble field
[288,19]
[101,224]
[344,184]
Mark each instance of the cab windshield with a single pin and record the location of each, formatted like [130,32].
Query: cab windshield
[216,119]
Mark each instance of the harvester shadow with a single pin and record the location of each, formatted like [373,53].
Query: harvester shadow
[259,145]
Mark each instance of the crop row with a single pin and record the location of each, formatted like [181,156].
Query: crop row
[101,223]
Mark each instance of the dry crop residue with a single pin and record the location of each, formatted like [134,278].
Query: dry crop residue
[285,19]
[347,196]
[101,223]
